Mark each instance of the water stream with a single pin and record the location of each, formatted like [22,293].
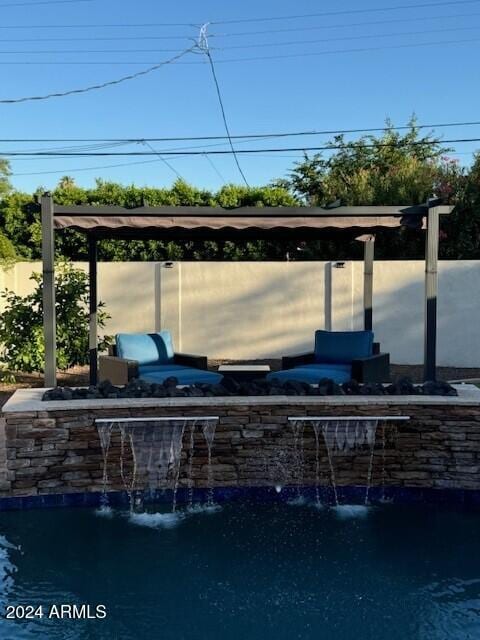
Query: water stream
[341,436]
[105,433]
[298,456]
[208,429]
[190,478]
[150,456]
[316,430]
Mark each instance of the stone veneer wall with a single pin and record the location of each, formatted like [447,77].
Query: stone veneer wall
[58,451]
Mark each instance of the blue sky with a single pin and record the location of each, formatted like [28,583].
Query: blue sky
[345,89]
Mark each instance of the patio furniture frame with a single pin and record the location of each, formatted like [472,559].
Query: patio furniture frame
[121,370]
[374,368]
[215,223]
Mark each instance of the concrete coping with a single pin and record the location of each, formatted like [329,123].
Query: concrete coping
[30,401]
[159,419]
[346,418]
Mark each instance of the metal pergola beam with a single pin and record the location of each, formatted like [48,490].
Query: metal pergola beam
[198,211]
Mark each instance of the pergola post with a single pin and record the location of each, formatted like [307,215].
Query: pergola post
[48,291]
[92,327]
[368,258]
[431,288]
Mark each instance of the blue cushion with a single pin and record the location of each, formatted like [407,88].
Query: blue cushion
[312,374]
[146,369]
[342,346]
[346,368]
[146,348]
[185,375]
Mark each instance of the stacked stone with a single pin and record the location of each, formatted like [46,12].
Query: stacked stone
[59,451]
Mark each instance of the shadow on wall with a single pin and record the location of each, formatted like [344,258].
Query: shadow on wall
[261,317]
[260,310]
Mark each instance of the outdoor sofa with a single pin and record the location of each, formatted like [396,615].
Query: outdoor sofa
[340,356]
[151,357]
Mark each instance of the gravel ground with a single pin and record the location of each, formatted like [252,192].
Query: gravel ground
[79,375]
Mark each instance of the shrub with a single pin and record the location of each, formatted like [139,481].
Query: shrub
[21,324]
[7,250]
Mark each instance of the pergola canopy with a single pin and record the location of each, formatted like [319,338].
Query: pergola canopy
[275,223]
[216,222]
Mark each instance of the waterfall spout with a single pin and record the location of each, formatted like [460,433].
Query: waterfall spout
[150,454]
[341,435]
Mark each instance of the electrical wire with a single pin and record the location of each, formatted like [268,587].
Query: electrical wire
[68,171]
[102,85]
[368,36]
[97,38]
[215,168]
[224,116]
[252,45]
[346,145]
[313,132]
[335,51]
[221,61]
[98,25]
[342,25]
[142,162]
[40,2]
[172,168]
[423,5]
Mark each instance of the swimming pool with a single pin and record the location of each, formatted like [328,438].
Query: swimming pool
[246,571]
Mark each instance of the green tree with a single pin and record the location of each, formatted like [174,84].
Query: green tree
[21,323]
[67,182]
[20,220]
[392,168]
[4,175]
[7,250]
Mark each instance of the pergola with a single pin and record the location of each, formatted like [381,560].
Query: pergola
[214,223]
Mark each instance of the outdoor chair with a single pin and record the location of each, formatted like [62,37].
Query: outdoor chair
[150,357]
[340,356]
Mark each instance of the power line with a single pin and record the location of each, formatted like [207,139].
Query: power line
[343,25]
[142,162]
[171,167]
[95,87]
[238,21]
[312,132]
[335,51]
[322,27]
[41,2]
[215,168]
[203,46]
[36,51]
[99,25]
[347,145]
[368,36]
[253,45]
[67,171]
[227,60]
[425,5]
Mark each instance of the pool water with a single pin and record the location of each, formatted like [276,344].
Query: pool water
[246,571]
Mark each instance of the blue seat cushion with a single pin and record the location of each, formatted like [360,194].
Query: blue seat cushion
[342,346]
[146,348]
[184,375]
[147,369]
[312,374]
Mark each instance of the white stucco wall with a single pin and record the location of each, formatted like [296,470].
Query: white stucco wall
[245,310]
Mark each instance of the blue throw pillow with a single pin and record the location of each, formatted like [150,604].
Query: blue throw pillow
[342,346]
[146,348]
